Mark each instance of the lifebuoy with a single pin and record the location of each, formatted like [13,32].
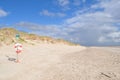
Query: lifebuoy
[18,48]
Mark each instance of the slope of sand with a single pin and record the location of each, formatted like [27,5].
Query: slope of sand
[60,62]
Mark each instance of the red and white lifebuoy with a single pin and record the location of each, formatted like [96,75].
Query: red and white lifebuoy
[18,48]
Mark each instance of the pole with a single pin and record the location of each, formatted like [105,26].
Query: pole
[17,52]
[17,56]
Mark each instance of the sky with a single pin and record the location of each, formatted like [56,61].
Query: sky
[87,22]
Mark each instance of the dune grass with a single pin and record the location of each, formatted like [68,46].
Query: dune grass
[7,36]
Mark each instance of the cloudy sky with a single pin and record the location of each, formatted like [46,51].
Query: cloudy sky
[87,22]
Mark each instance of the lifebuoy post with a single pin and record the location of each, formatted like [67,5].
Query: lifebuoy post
[18,49]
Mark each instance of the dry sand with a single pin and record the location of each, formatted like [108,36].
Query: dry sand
[60,62]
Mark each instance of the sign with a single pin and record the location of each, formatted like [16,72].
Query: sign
[17,36]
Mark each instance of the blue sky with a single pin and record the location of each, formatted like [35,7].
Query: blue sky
[40,11]
[87,22]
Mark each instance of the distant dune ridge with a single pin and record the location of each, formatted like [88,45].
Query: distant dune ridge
[7,36]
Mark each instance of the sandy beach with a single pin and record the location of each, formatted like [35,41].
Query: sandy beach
[60,62]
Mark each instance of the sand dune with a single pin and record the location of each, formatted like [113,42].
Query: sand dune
[60,62]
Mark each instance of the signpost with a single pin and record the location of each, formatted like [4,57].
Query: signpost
[18,47]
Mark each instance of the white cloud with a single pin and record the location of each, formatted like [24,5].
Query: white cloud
[60,14]
[68,4]
[102,39]
[3,13]
[46,13]
[115,36]
[52,14]
[113,8]
[63,3]
[109,6]
[111,37]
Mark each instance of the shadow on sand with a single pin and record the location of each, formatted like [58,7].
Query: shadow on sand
[11,59]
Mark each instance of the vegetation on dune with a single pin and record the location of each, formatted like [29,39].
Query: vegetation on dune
[7,36]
